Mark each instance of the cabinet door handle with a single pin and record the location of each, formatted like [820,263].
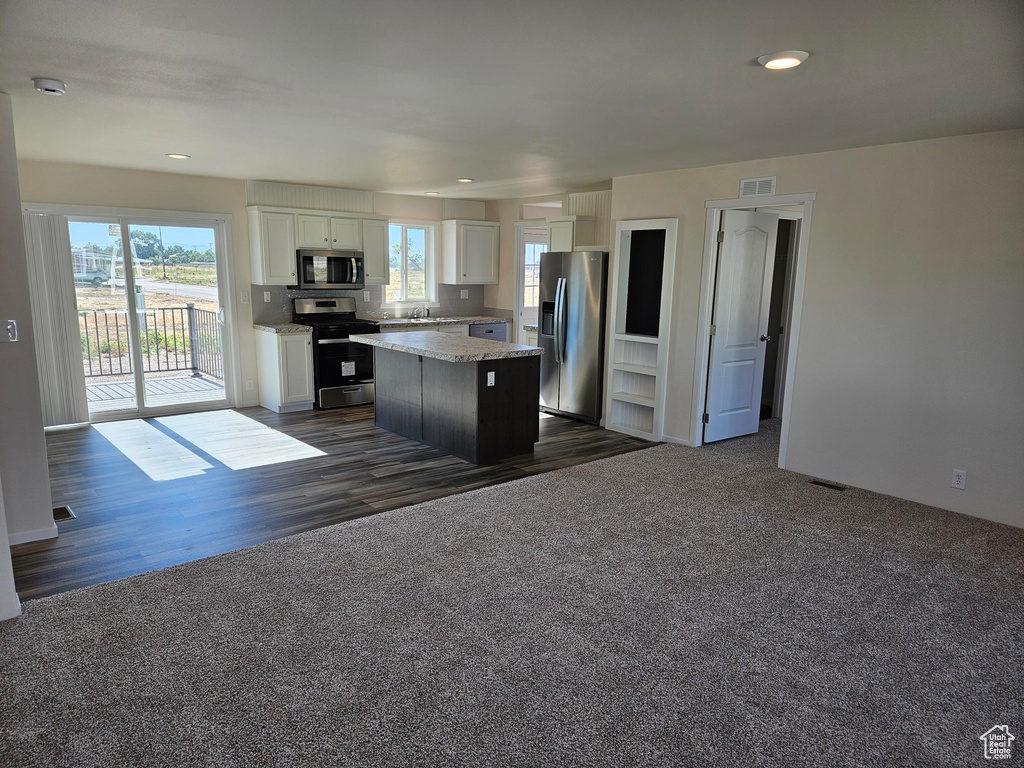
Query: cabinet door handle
[325,239]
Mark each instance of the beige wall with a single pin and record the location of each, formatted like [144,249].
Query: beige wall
[24,474]
[70,184]
[508,212]
[911,359]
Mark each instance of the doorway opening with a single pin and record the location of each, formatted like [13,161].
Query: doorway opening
[751,295]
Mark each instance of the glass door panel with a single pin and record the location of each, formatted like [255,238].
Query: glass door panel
[177,304]
[103,316]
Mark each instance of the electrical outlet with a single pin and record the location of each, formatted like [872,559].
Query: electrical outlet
[490,378]
[464,293]
[959,479]
[244,297]
[249,386]
[12,331]
[366,296]
[266,297]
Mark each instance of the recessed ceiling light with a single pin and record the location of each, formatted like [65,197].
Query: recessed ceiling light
[48,86]
[431,193]
[783,59]
[178,156]
[465,181]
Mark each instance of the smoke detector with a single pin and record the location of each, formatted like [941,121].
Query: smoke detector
[48,86]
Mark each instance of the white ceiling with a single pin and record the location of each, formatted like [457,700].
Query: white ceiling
[527,97]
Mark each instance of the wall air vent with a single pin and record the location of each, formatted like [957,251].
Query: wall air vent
[757,187]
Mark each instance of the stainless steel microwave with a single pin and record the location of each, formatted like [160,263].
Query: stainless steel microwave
[330,269]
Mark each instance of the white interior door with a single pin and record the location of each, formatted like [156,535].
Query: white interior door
[740,323]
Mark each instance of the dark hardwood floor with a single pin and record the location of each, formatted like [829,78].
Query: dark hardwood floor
[128,524]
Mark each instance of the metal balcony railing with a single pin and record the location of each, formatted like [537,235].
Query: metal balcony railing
[172,339]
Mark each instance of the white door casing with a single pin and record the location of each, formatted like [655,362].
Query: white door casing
[740,322]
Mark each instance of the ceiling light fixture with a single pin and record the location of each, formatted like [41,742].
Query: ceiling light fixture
[431,193]
[178,156]
[465,181]
[783,59]
[48,86]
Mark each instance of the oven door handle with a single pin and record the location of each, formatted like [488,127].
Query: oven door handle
[334,341]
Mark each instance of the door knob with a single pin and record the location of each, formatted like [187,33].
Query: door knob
[765,338]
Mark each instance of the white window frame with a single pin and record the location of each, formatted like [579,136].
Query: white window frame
[430,266]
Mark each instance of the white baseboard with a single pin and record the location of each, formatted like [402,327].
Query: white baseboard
[677,441]
[38,535]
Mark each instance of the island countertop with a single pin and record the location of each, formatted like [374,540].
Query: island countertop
[445,346]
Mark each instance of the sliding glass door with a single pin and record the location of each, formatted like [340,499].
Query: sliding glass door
[101,292]
[152,335]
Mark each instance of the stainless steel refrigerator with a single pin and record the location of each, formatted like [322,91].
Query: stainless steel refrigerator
[571,332]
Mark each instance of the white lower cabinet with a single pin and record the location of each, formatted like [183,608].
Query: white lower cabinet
[285,362]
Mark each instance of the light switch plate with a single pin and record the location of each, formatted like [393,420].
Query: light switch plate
[366,296]
[244,297]
[266,297]
[12,331]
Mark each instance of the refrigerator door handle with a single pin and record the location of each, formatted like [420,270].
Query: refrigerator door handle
[559,317]
[564,335]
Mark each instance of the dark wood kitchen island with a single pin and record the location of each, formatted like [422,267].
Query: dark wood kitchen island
[474,398]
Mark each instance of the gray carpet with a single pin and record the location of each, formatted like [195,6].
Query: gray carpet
[666,607]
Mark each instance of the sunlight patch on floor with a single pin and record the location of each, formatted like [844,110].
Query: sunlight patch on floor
[155,453]
[237,441]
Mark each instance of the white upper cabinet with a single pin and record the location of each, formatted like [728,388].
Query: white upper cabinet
[569,233]
[469,252]
[276,233]
[313,231]
[346,234]
[272,241]
[375,252]
[333,232]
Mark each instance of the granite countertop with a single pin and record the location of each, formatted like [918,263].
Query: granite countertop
[282,327]
[404,322]
[446,346]
[533,327]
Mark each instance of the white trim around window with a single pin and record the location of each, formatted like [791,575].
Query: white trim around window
[400,288]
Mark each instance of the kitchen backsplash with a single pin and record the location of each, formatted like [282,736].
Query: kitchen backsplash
[279,308]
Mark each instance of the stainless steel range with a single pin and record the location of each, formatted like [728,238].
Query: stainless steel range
[342,370]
